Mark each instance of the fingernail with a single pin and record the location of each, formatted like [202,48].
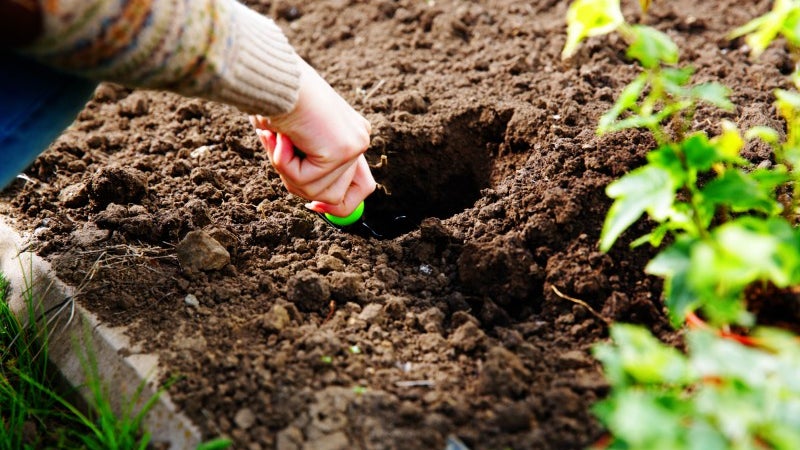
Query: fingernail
[315,206]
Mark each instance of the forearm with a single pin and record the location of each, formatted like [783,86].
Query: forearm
[216,49]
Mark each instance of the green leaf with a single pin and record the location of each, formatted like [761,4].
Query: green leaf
[638,357]
[791,27]
[729,143]
[762,30]
[766,134]
[215,444]
[587,18]
[674,265]
[627,99]
[647,188]
[715,94]
[771,252]
[741,192]
[675,79]
[700,153]
[651,47]
[634,408]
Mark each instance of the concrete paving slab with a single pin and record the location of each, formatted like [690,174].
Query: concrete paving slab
[74,329]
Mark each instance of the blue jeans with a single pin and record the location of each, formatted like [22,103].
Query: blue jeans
[36,104]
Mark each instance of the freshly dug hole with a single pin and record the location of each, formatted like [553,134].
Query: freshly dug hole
[436,173]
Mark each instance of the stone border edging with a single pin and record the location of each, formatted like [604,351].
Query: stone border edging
[120,366]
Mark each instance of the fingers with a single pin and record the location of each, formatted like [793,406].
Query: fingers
[361,186]
[330,188]
[268,141]
[318,169]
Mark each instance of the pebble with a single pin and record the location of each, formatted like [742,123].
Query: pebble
[346,286]
[276,319]
[395,307]
[199,251]
[334,441]
[74,195]
[373,313]
[191,300]
[89,234]
[244,418]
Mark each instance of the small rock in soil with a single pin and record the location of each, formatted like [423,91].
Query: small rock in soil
[338,252]
[335,441]
[431,320]
[106,92]
[574,359]
[513,417]
[309,291]
[244,418]
[117,184]
[191,300]
[192,109]
[410,101]
[373,314]
[276,319]
[431,342]
[199,251]
[135,105]
[74,196]
[290,438]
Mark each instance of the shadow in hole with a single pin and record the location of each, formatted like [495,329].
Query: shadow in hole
[432,176]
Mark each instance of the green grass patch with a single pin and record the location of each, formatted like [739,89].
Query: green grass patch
[35,413]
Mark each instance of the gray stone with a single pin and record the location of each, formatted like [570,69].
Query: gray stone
[74,195]
[199,251]
[373,314]
[244,418]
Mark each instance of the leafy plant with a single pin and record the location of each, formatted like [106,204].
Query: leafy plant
[731,229]
[728,225]
[722,395]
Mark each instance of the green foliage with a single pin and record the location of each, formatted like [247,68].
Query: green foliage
[722,395]
[784,20]
[727,226]
[215,444]
[22,356]
[727,229]
[586,18]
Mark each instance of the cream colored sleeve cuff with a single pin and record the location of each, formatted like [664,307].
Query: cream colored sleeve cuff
[262,75]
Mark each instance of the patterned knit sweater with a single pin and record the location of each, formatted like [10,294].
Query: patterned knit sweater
[216,49]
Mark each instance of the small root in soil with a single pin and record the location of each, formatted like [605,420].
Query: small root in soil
[582,303]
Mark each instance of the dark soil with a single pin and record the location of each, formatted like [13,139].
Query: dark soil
[450,329]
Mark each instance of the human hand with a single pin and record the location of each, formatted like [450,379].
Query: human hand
[318,148]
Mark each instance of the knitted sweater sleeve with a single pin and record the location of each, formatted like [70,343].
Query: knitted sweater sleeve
[216,49]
